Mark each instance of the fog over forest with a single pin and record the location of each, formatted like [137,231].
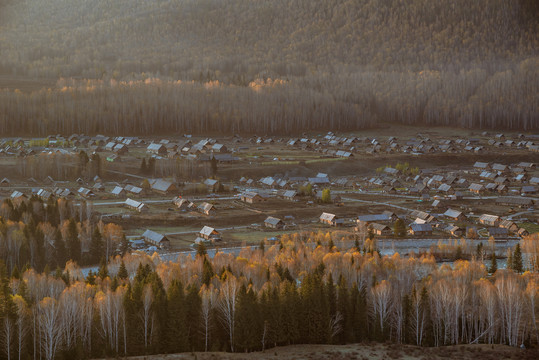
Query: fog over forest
[269,66]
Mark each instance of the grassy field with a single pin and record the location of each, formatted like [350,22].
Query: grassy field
[363,352]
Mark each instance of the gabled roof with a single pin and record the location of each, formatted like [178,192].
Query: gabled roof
[133,189]
[488,218]
[154,236]
[290,193]
[452,228]
[444,187]
[207,230]
[453,213]
[155,147]
[272,220]
[250,194]
[117,190]
[499,167]
[476,187]
[161,185]
[15,194]
[379,227]
[206,207]
[480,165]
[327,216]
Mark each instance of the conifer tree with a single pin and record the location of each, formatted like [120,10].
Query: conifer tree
[103,269]
[193,313]
[124,245]
[122,271]
[176,336]
[399,229]
[96,246]
[73,241]
[517,259]
[493,263]
[345,335]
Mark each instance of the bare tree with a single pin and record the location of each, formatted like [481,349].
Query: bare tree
[50,325]
[147,315]
[227,305]
[208,296]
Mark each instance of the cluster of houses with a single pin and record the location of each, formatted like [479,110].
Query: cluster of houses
[207,235]
[346,147]
[420,223]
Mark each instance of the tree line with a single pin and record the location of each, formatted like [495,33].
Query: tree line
[476,99]
[301,290]
[45,235]
[343,65]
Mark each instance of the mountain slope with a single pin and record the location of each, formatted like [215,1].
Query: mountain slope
[268,65]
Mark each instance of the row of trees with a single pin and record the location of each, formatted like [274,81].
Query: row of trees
[42,236]
[301,290]
[343,65]
[473,98]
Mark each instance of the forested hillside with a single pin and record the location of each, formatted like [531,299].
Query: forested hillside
[453,62]
[303,290]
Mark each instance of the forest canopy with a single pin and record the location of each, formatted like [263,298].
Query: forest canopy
[447,62]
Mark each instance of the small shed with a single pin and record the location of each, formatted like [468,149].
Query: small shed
[274,223]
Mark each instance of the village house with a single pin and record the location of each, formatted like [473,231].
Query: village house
[366,220]
[422,215]
[133,189]
[420,229]
[209,233]
[330,219]
[481,166]
[446,189]
[118,191]
[110,146]
[156,239]
[157,149]
[212,185]
[45,195]
[136,205]
[219,148]
[476,188]
[290,195]
[251,197]
[498,232]
[527,190]
[274,223]
[120,149]
[454,230]
[181,203]
[509,225]
[162,186]
[489,220]
[455,215]
[206,208]
[381,229]
[17,197]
